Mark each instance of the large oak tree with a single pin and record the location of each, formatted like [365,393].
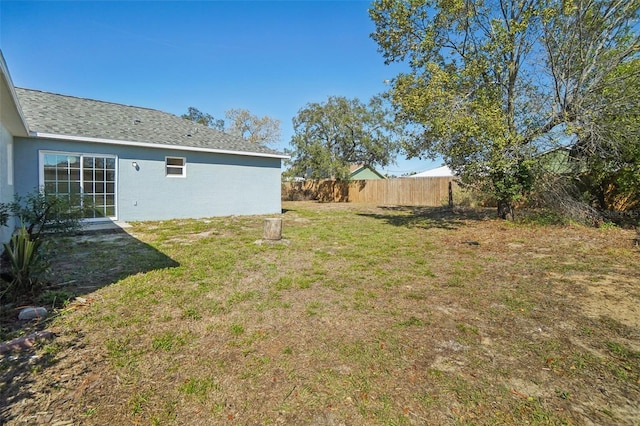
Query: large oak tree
[330,136]
[491,80]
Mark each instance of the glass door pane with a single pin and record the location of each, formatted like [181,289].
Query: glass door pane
[99,183]
[84,180]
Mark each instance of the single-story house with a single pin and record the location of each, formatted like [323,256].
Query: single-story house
[131,163]
[362,172]
[443,171]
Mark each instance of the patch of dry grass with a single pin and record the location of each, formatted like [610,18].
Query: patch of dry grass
[369,316]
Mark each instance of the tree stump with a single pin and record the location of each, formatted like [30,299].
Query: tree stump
[273,229]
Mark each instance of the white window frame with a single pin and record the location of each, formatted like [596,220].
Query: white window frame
[182,168]
[42,153]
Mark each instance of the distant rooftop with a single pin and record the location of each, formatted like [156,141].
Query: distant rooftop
[443,171]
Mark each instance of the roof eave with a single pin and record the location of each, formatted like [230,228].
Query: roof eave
[378,173]
[12,114]
[43,135]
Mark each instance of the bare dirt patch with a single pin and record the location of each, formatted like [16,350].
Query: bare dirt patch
[612,295]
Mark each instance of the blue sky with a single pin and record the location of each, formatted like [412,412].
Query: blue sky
[269,57]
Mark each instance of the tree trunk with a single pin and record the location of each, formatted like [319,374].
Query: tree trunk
[505,210]
[273,229]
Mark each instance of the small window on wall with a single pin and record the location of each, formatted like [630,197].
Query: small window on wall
[176,166]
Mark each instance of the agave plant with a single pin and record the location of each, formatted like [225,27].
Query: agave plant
[26,265]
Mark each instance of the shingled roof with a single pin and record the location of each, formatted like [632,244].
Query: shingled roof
[68,117]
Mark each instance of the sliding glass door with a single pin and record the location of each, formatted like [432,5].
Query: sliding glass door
[86,180]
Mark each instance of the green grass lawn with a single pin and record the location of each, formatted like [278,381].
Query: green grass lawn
[366,315]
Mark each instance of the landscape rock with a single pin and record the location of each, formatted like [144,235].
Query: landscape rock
[32,313]
[25,342]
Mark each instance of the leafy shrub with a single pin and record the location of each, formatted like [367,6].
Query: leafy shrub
[23,262]
[40,212]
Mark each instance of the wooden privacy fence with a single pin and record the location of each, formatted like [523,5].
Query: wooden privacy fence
[430,191]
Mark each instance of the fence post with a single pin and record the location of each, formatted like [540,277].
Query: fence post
[450,194]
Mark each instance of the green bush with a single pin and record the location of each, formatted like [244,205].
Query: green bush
[23,262]
[40,212]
